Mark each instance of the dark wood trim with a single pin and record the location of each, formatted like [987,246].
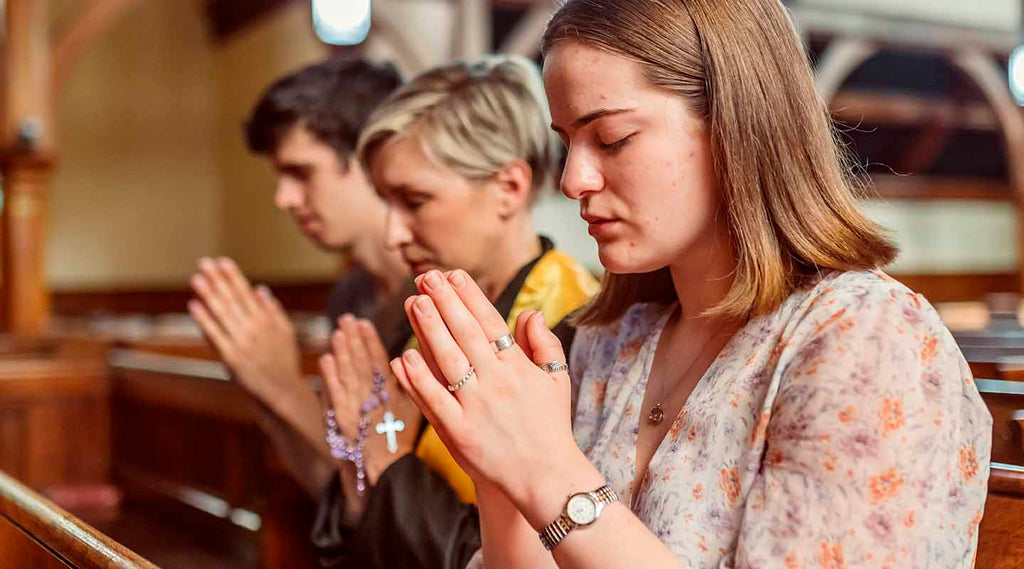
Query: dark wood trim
[227,17]
[931,188]
[959,287]
[62,533]
[308,296]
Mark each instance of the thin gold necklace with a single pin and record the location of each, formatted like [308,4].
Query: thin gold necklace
[657,414]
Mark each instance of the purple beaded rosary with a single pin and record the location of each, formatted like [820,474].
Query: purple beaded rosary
[341,449]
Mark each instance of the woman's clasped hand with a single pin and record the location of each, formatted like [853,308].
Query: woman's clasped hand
[509,422]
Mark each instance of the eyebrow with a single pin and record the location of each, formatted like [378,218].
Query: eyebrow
[591,117]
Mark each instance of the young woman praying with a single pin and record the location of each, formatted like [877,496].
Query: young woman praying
[748,389]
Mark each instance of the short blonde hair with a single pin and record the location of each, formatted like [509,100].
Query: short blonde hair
[472,117]
[784,180]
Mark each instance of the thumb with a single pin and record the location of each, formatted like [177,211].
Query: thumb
[547,349]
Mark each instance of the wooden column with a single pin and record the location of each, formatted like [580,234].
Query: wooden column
[26,298]
[26,166]
[991,80]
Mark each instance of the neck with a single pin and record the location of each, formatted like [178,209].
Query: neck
[703,277]
[385,266]
[518,246]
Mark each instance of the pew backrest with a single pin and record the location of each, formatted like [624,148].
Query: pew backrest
[35,532]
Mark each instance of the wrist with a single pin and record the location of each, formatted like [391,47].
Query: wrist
[543,496]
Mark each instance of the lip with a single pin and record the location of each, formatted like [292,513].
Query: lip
[601,227]
[418,267]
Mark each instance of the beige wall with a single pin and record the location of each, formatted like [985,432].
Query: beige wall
[153,171]
[264,241]
[135,196]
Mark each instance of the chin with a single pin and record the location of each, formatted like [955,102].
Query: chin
[622,260]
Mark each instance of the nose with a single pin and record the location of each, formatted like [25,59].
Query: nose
[288,195]
[396,230]
[581,175]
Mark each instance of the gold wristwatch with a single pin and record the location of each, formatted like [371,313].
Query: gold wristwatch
[580,510]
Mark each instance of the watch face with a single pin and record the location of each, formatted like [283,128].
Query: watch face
[581,509]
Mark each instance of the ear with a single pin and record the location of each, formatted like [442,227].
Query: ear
[514,186]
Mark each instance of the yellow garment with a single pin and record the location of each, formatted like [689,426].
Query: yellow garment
[556,286]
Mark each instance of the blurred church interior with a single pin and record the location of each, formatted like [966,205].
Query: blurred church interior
[122,164]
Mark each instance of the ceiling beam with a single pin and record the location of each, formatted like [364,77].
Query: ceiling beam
[874,108]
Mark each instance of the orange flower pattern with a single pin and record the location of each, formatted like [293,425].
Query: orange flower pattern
[841,430]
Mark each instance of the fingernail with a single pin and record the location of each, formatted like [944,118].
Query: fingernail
[422,304]
[540,317]
[191,305]
[198,281]
[206,263]
[433,280]
[412,357]
[458,279]
[262,290]
[418,279]
[225,262]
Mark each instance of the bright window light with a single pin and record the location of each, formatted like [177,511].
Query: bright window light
[1017,74]
[341,22]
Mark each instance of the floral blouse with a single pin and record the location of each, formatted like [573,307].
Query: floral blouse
[842,430]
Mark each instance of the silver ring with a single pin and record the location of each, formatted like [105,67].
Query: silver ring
[458,385]
[503,343]
[554,367]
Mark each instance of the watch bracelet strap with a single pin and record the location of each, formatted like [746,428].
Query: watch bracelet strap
[555,532]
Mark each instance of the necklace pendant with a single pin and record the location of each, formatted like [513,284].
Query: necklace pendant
[656,416]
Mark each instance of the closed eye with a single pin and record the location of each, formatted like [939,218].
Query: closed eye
[618,144]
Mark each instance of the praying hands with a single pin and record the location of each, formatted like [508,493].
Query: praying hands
[502,409]
[253,335]
[371,422]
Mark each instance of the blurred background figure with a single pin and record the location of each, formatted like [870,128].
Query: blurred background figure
[121,165]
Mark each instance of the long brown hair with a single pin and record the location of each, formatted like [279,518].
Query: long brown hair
[785,183]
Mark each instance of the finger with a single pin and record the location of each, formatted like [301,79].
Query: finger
[269,303]
[343,359]
[479,306]
[373,344]
[522,339]
[464,327]
[209,325]
[219,287]
[449,356]
[398,370]
[428,356]
[356,347]
[546,347]
[215,304]
[237,284]
[329,372]
[441,408]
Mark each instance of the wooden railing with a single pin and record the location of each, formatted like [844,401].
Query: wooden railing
[35,532]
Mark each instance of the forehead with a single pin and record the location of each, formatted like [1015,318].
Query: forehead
[400,162]
[579,78]
[299,145]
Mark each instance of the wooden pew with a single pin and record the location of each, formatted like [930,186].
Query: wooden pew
[54,412]
[1001,534]
[186,436]
[36,533]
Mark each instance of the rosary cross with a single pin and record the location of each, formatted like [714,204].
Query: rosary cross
[389,427]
